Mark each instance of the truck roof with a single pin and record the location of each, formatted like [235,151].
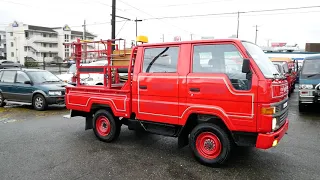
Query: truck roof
[194,41]
[316,57]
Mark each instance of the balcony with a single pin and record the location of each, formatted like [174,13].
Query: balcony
[41,39]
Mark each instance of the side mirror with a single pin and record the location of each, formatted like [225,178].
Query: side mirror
[246,66]
[27,82]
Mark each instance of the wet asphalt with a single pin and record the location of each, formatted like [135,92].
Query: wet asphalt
[44,145]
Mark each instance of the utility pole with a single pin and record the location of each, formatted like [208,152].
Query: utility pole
[137,20]
[113,22]
[84,37]
[162,38]
[191,36]
[238,24]
[255,41]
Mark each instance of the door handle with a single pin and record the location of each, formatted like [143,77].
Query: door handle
[195,89]
[142,87]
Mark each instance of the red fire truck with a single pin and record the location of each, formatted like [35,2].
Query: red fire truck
[192,90]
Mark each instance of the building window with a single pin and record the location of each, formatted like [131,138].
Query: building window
[44,35]
[44,45]
[11,33]
[12,54]
[161,60]
[11,44]
[66,38]
[26,34]
[50,45]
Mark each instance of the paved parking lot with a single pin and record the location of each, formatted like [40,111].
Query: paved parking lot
[44,145]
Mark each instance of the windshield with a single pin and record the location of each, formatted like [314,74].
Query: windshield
[72,69]
[278,67]
[43,77]
[311,67]
[282,65]
[261,59]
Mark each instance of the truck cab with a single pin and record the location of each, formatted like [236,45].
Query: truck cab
[287,69]
[309,79]
[210,94]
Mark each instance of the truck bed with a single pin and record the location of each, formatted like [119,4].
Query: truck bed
[84,98]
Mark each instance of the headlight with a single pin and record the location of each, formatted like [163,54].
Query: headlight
[305,86]
[55,93]
[274,124]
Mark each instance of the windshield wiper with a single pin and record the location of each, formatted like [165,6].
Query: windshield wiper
[311,75]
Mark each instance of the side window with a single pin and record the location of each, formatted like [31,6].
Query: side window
[22,77]
[161,60]
[8,76]
[221,58]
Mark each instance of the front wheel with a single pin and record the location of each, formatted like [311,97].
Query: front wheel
[39,102]
[2,103]
[210,144]
[302,107]
[105,127]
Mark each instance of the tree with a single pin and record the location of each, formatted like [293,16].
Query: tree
[58,59]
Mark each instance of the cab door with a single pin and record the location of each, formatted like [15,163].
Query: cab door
[157,85]
[216,83]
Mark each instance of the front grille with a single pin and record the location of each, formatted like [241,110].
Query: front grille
[282,118]
[280,108]
[63,92]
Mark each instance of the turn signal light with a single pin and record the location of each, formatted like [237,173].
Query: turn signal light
[268,110]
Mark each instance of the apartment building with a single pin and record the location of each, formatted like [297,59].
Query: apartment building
[37,43]
[3,45]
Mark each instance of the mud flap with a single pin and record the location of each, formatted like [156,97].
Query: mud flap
[89,123]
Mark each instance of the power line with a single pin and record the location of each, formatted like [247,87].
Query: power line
[153,16]
[232,13]
[188,4]
[12,2]
[121,28]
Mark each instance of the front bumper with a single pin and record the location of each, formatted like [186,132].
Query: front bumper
[266,141]
[55,100]
[313,97]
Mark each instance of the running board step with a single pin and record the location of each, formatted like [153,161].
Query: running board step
[16,102]
[155,128]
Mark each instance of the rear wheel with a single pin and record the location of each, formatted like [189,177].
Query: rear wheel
[210,144]
[2,103]
[105,127]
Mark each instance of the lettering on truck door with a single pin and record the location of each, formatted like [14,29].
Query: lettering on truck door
[157,85]
[216,84]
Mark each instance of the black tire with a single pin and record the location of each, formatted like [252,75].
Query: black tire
[302,107]
[105,127]
[2,103]
[221,138]
[39,103]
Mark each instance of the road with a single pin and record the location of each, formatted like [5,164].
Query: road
[44,145]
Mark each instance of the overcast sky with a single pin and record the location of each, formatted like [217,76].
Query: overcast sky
[294,26]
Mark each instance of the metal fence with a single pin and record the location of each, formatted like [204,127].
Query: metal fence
[55,68]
